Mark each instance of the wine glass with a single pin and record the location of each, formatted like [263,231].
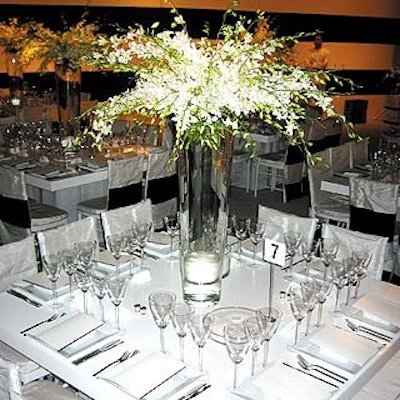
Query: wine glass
[309,291]
[200,329]
[255,339]
[307,252]
[171,223]
[98,286]
[83,282]
[268,319]
[116,289]
[115,244]
[237,343]
[292,242]
[363,258]
[69,264]
[131,244]
[181,315]
[298,306]
[142,231]
[240,229]
[328,248]
[86,253]
[161,303]
[323,290]
[340,279]
[52,268]
[256,232]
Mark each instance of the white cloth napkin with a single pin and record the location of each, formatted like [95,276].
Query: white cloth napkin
[378,310]
[140,376]
[43,281]
[341,348]
[66,330]
[105,258]
[279,382]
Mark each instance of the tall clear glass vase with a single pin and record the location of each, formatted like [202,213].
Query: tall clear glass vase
[15,77]
[204,178]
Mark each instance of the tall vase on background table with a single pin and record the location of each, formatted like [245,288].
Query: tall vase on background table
[204,178]
[68,89]
[15,78]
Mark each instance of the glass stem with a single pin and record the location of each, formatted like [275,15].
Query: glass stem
[182,347]
[337,300]
[253,362]
[101,307]
[141,256]
[308,323]
[240,251]
[348,294]
[116,317]
[307,268]
[162,340]
[85,305]
[296,335]
[356,287]
[319,319]
[54,289]
[200,358]
[70,286]
[172,248]
[266,353]
[235,370]
[254,251]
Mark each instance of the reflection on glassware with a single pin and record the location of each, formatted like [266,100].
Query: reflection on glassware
[268,320]
[309,291]
[142,230]
[307,252]
[171,223]
[292,242]
[181,315]
[131,244]
[69,264]
[86,253]
[200,328]
[339,272]
[116,289]
[83,282]
[115,244]
[255,340]
[363,258]
[328,250]
[323,289]
[240,230]
[99,289]
[52,268]
[298,306]
[256,232]
[161,303]
[237,341]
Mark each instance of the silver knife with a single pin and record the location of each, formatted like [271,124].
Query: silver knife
[94,353]
[23,297]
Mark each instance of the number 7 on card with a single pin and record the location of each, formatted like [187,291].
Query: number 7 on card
[274,252]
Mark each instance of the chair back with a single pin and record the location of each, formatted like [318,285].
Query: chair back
[121,219]
[293,172]
[316,174]
[373,206]
[286,221]
[10,385]
[358,152]
[340,157]
[17,261]
[64,237]
[352,240]
[333,132]
[125,181]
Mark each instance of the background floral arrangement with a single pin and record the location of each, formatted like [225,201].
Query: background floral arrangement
[207,87]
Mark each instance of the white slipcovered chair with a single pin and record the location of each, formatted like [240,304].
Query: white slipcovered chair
[19,215]
[340,157]
[359,152]
[352,240]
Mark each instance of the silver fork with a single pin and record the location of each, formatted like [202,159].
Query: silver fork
[45,321]
[125,356]
[364,329]
[307,365]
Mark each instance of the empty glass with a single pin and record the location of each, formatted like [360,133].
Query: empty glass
[328,250]
[181,315]
[309,291]
[307,252]
[83,282]
[339,272]
[116,289]
[268,320]
[130,246]
[298,306]
[115,244]
[161,303]
[99,289]
[323,289]
[86,253]
[142,230]
[240,230]
[255,340]
[69,264]
[256,232]
[200,329]
[171,223]
[363,258]
[52,268]
[292,242]
[237,342]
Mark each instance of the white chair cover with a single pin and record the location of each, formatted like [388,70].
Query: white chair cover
[288,221]
[340,157]
[64,237]
[17,261]
[159,166]
[358,152]
[350,240]
[121,219]
[125,172]
[10,386]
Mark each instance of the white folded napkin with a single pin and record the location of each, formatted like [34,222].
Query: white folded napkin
[340,348]
[64,331]
[279,382]
[106,258]
[139,376]
[43,281]
[162,238]
[378,310]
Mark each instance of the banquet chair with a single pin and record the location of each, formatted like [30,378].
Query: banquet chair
[161,186]
[11,387]
[323,205]
[373,209]
[340,157]
[333,132]
[121,219]
[283,172]
[358,152]
[54,240]
[287,221]
[241,160]
[350,240]
[19,215]
[17,261]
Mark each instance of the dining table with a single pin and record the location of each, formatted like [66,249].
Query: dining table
[243,290]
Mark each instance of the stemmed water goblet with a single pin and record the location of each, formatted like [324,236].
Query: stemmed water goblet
[256,232]
[115,244]
[116,289]
[98,287]
[237,342]
[171,223]
[161,303]
[309,292]
[83,282]
[240,229]
[130,246]
[255,340]
[363,258]
[339,272]
[292,242]
[86,253]
[299,307]
[328,249]
[268,319]
[323,290]
[69,264]
[307,252]
[200,329]
[142,230]
[181,314]
[52,267]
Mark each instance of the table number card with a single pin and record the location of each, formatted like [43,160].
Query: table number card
[274,252]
